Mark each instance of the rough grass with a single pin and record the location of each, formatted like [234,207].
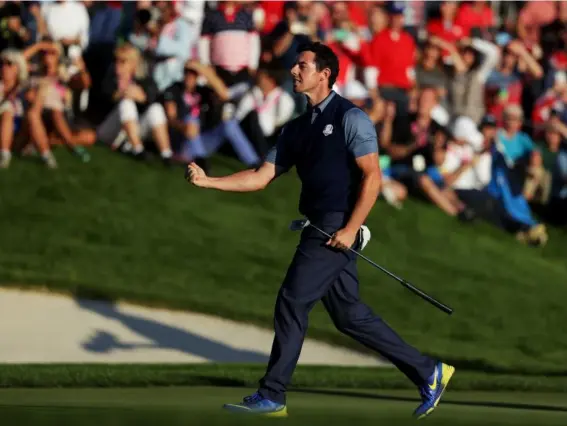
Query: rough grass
[118,229]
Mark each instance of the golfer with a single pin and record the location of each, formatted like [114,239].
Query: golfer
[334,148]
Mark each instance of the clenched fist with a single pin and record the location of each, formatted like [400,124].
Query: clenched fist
[196,175]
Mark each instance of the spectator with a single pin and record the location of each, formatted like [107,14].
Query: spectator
[392,62]
[552,36]
[533,16]
[67,22]
[355,92]
[555,162]
[174,43]
[378,20]
[14,76]
[272,12]
[430,70]
[552,102]
[230,43]
[58,82]
[467,88]
[264,110]
[13,33]
[445,27]
[33,21]
[539,182]
[194,113]
[516,146]
[467,165]
[514,153]
[411,152]
[344,40]
[26,124]
[297,27]
[476,18]
[505,84]
[135,111]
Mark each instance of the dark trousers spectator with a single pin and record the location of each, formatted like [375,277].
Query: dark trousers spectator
[250,125]
[490,209]
[231,78]
[399,96]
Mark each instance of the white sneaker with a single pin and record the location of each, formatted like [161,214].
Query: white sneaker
[5,160]
[390,197]
[50,161]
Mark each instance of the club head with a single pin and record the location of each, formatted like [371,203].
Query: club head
[299,224]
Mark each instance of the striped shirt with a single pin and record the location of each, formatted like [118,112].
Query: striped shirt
[233,41]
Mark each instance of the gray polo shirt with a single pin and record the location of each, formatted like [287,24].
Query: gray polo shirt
[360,134]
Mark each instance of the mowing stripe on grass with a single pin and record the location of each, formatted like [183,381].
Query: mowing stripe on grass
[238,375]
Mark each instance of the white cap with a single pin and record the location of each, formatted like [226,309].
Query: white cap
[560,78]
[464,129]
[354,89]
[440,115]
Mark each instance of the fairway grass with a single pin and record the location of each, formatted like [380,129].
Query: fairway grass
[247,375]
[117,229]
[202,406]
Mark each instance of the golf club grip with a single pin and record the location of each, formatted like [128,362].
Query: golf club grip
[406,284]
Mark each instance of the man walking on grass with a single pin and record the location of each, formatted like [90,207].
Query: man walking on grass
[334,148]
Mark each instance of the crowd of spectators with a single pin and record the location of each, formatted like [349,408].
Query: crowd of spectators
[468,98]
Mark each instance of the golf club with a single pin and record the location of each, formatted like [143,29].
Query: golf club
[300,224]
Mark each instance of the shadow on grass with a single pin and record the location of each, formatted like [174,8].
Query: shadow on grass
[490,404]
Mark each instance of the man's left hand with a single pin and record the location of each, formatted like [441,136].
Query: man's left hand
[343,239]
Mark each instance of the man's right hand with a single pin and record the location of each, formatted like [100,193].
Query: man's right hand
[196,175]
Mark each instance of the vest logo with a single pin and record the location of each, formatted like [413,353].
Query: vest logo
[328,129]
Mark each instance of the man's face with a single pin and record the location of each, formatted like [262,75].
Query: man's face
[50,58]
[124,66]
[509,59]
[9,70]
[513,123]
[397,21]
[378,19]
[448,9]
[189,79]
[339,13]
[427,100]
[489,133]
[553,139]
[305,74]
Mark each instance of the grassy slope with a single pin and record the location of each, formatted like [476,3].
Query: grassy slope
[133,231]
[195,406]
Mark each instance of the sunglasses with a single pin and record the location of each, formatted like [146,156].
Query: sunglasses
[187,71]
[6,62]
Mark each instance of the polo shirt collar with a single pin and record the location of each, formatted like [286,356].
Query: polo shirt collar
[320,107]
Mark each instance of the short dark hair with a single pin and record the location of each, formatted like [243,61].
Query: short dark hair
[324,58]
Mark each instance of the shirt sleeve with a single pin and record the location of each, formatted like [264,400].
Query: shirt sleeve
[245,106]
[281,153]
[360,133]
[528,144]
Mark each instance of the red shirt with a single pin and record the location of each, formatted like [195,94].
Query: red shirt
[273,13]
[347,61]
[468,18]
[394,58]
[448,31]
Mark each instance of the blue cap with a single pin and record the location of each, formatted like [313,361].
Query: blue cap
[396,7]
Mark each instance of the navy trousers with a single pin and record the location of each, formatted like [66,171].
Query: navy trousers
[318,272]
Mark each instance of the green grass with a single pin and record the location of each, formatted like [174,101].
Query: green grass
[123,230]
[305,377]
[196,406]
